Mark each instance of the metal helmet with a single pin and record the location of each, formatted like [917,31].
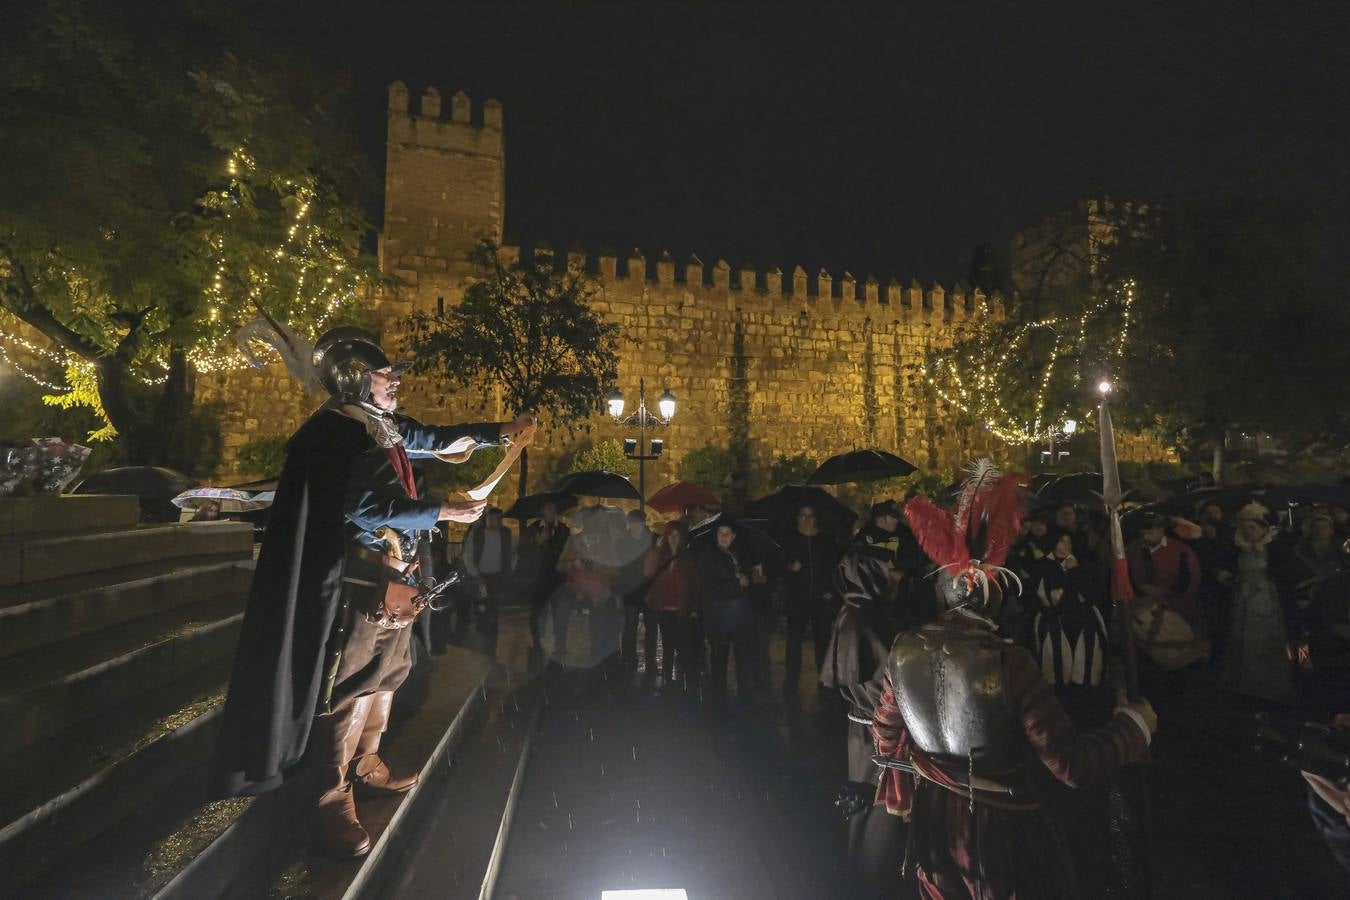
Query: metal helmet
[968,590]
[345,356]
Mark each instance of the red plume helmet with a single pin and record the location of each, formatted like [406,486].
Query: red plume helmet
[972,542]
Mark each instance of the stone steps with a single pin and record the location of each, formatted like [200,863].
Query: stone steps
[29,560]
[116,642]
[181,843]
[50,620]
[453,850]
[47,690]
[88,778]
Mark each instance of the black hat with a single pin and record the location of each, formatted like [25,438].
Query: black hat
[1151,520]
[883,508]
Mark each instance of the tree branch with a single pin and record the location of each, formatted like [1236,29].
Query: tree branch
[21,299]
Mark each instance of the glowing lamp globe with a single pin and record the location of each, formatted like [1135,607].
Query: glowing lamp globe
[1104,388]
[666,404]
[615,403]
[1070,426]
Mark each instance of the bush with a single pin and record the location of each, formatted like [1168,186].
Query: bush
[263,456]
[605,456]
[792,469]
[709,466]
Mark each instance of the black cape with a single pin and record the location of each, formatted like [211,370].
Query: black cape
[279,663]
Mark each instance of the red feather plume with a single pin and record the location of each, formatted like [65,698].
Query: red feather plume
[936,531]
[1001,511]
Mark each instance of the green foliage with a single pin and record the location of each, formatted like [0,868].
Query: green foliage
[449,477]
[164,175]
[263,456]
[528,328]
[83,394]
[1199,314]
[605,456]
[709,465]
[1239,335]
[793,469]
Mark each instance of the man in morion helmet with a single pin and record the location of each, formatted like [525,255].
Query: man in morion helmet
[317,665]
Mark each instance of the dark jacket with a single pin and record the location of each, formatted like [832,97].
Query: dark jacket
[726,602]
[336,488]
[805,588]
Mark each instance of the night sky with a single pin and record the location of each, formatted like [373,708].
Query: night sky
[879,139]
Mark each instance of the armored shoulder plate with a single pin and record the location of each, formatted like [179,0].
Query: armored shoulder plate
[948,685]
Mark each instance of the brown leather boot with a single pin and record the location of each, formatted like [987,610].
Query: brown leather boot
[332,744]
[369,773]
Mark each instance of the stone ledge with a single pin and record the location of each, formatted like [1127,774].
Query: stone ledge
[52,514]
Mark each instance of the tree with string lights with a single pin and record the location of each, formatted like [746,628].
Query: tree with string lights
[1203,313]
[163,178]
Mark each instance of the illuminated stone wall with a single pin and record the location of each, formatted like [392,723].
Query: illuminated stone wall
[789,362]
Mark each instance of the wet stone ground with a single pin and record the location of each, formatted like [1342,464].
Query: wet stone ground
[633,783]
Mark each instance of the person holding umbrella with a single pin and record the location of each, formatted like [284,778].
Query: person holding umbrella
[807,591]
[545,539]
[728,618]
[674,579]
[588,564]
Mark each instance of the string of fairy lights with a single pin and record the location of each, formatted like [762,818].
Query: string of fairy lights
[233,297]
[980,400]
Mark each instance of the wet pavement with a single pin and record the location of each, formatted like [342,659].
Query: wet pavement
[633,783]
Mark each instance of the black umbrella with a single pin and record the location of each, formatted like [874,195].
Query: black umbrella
[759,544]
[1079,488]
[531,507]
[861,465]
[1287,494]
[154,487]
[780,508]
[607,485]
[1230,497]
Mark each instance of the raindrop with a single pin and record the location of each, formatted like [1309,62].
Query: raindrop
[555,799]
[571,824]
[634,751]
[602,768]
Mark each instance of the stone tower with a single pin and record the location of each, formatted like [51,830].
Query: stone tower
[445,188]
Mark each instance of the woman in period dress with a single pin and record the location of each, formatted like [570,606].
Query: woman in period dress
[1257,661]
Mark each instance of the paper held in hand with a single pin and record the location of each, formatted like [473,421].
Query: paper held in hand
[457,453]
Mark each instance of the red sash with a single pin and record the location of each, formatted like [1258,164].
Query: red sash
[399,459]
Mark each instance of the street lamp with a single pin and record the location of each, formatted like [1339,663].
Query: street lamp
[1066,430]
[643,418]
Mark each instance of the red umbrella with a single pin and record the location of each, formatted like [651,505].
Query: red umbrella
[683,495]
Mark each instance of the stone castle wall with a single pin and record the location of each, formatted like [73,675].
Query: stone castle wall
[789,363]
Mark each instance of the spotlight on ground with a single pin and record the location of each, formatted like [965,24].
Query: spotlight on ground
[646,894]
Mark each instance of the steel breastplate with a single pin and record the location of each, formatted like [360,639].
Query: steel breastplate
[948,685]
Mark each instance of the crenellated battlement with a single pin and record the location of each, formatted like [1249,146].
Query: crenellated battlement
[774,360]
[747,282]
[445,180]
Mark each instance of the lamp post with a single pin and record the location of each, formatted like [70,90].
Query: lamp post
[643,418]
[1066,430]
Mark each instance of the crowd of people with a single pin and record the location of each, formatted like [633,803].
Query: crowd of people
[1253,601]
[1259,598]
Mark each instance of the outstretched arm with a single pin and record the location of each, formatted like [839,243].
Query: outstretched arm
[1073,758]
[425,440]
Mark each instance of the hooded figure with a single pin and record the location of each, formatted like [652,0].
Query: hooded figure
[314,672]
[855,665]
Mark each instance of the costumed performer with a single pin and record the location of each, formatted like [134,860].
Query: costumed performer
[324,642]
[965,715]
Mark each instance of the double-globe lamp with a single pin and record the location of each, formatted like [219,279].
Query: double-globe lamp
[665,404]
